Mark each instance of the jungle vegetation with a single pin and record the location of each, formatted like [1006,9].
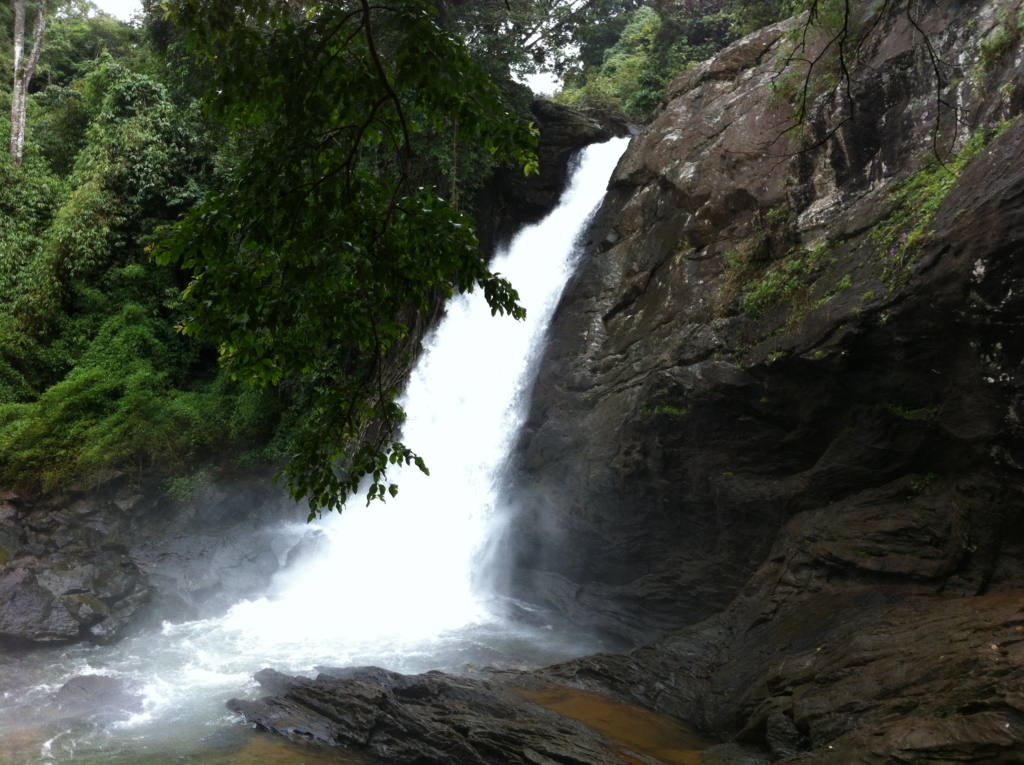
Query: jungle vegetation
[221,222]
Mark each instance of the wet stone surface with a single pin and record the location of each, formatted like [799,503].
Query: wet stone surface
[450,720]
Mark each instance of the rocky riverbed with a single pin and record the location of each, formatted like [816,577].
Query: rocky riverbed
[492,717]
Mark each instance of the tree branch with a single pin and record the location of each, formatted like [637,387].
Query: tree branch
[386,84]
[19,34]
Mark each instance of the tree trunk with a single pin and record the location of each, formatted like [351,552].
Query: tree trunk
[24,68]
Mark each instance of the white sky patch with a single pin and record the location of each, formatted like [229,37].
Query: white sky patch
[543,83]
[122,9]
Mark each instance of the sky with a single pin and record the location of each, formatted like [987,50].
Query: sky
[123,9]
[544,83]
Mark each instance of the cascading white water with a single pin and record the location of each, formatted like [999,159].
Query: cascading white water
[394,584]
[404,571]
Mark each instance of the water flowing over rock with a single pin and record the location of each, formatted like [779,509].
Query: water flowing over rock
[815,488]
[98,561]
[775,440]
[510,200]
[391,583]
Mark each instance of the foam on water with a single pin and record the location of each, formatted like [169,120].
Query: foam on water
[396,584]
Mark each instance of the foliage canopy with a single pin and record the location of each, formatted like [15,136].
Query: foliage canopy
[92,374]
[315,169]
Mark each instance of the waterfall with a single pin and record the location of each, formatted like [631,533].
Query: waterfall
[403,571]
[394,583]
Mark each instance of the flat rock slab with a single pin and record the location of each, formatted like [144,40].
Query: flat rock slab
[429,718]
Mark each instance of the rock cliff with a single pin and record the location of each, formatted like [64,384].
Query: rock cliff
[777,431]
[752,345]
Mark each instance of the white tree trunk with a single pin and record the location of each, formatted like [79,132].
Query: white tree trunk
[24,68]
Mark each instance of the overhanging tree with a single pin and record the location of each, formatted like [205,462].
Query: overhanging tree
[310,265]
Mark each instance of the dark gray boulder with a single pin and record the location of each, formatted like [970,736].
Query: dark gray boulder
[99,562]
[12,538]
[66,595]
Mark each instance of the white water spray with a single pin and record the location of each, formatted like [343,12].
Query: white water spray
[394,586]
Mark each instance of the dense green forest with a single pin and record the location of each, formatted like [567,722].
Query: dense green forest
[628,64]
[226,215]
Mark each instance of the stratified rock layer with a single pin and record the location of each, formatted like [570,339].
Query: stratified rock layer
[431,719]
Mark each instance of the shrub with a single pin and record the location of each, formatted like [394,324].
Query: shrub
[116,407]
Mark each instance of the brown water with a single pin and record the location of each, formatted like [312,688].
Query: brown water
[633,729]
[243,747]
[265,749]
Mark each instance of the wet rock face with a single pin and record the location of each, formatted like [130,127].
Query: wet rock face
[822,675]
[63,576]
[688,407]
[31,612]
[432,718]
[813,484]
[95,564]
